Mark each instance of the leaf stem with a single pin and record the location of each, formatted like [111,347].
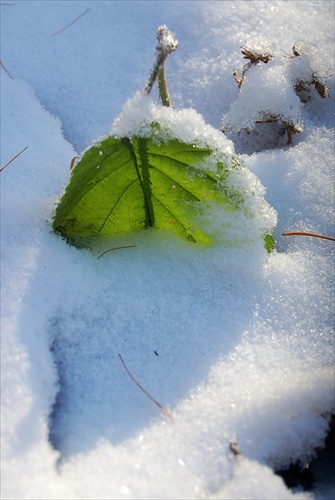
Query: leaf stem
[162,86]
[166,44]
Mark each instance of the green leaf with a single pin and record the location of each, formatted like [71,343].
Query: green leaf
[269,243]
[123,185]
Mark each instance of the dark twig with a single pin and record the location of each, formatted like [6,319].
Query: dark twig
[115,248]
[234,449]
[164,410]
[302,233]
[1,169]
[71,23]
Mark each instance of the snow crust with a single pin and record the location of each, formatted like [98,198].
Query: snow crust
[238,345]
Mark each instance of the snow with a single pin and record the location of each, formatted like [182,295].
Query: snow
[235,343]
[274,82]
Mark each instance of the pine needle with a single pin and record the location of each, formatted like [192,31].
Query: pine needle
[71,23]
[164,410]
[115,248]
[1,169]
[4,67]
[302,233]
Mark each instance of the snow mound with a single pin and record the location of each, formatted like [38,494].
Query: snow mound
[266,93]
[271,86]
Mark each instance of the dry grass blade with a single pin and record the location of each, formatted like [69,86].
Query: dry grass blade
[1,169]
[115,248]
[71,23]
[302,233]
[164,410]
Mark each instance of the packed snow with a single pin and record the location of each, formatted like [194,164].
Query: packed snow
[237,344]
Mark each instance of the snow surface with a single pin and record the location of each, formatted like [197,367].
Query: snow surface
[238,345]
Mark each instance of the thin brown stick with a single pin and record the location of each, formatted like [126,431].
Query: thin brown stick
[115,248]
[4,67]
[164,410]
[1,169]
[71,23]
[302,233]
